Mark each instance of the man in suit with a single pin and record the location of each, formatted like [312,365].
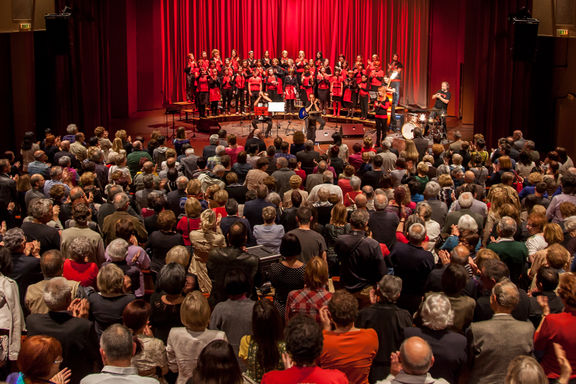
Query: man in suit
[177,198]
[253,208]
[121,205]
[496,342]
[439,208]
[383,224]
[308,157]
[465,201]
[459,255]
[413,265]
[76,334]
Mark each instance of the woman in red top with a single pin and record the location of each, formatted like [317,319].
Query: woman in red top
[190,222]
[381,105]
[79,265]
[214,86]
[364,95]
[290,83]
[558,328]
[336,90]
[350,95]
[305,85]
[204,62]
[254,87]
[227,89]
[266,60]
[203,91]
[234,60]
[376,76]
[323,83]
[272,85]
[240,86]
[191,71]
[284,60]
[301,63]
[216,59]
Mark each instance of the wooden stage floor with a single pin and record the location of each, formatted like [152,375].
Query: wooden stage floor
[144,123]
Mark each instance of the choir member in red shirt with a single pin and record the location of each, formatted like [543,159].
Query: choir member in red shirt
[227,89]
[340,62]
[254,86]
[319,59]
[203,91]
[214,86]
[395,66]
[290,84]
[266,60]
[191,71]
[216,59]
[240,86]
[350,95]
[323,84]
[251,59]
[284,60]
[376,76]
[306,82]
[204,62]
[272,85]
[235,60]
[301,63]
[364,96]
[336,89]
[381,105]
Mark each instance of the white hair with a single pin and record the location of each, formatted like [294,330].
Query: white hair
[467,222]
[436,312]
[465,200]
[117,249]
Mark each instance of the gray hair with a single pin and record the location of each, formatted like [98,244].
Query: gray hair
[40,208]
[355,182]
[431,189]
[72,129]
[64,161]
[79,248]
[282,162]
[121,201]
[467,222]
[389,288]
[359,219]
[214,139]
[380,201]
[218,168]
[506,227]
[117,249]
[465,200]
[506,294]
[55,172]
[117,343]
[220,150]
[13,239]
[274,198]
[424,210]
[57,294]
[436,312]
[416,233]
[182,182]
[189,151]
[570,224]
[327,177]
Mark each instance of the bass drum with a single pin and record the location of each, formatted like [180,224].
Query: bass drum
[408,130]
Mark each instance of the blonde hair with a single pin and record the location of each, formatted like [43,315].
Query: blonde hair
[445,180]
[110,280]
[178,254]
[553,233]
[192,207]
[117,144]
[316,273]
[195,312]
[339,215]
[208,220]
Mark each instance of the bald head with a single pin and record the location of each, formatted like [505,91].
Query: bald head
[416,356]
[469,177]
[380,202]
[360,200]
[460,254]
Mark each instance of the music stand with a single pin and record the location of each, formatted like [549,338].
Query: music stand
[171,110]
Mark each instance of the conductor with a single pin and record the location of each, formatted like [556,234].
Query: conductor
[314,115]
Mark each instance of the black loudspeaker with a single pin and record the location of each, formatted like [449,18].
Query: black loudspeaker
[525,35]
[22,10]
[57,32]
[208,126]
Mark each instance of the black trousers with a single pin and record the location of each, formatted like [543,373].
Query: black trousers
[240,99]
[381,128]
[226,99]
[311,126]
[267,120]
[289,106]
[364,106]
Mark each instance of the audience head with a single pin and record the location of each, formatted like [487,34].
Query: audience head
[267,332]
[52,263]
[195,312]
[117,346]
[136,315]
[110,280]
[454,279]
[389,288]
[81,250]
[343,308]
[436,312]
[237,235]
[304,340]
[547,279]
[505,297]
[171,279]
[290,246]
[567,289]
[57,294]
[416,356]
[39,358]
[316,274]
[416,233]
[359,220]
[217,364]
[117,250]
[525,370]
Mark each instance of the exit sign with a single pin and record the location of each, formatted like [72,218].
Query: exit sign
[25,27]
[562,32]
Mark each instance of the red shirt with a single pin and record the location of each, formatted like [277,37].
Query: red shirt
[185,226]
[556,328]
[306,82]
[306,302]
[300,375]
[85,273]
[203,83]
[240,81]
[323,82]
[364,88]
[226,82]
[351,352]
[337,85]
[255,83]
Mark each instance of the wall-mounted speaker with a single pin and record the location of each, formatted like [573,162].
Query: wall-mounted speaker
[22,10]
[57,32]
[525,32]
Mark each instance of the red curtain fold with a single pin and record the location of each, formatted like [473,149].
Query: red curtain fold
[351,27]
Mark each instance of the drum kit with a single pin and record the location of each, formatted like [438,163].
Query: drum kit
[431,121]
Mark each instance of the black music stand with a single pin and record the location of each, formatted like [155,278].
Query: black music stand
[171,110]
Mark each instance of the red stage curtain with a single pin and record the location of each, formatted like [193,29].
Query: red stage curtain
[351,27]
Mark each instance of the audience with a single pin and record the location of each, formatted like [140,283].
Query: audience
[460,276]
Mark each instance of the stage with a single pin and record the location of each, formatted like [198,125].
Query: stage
[284,125]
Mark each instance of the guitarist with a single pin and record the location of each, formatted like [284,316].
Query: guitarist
[262,101]
[395,66]
[315,114]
